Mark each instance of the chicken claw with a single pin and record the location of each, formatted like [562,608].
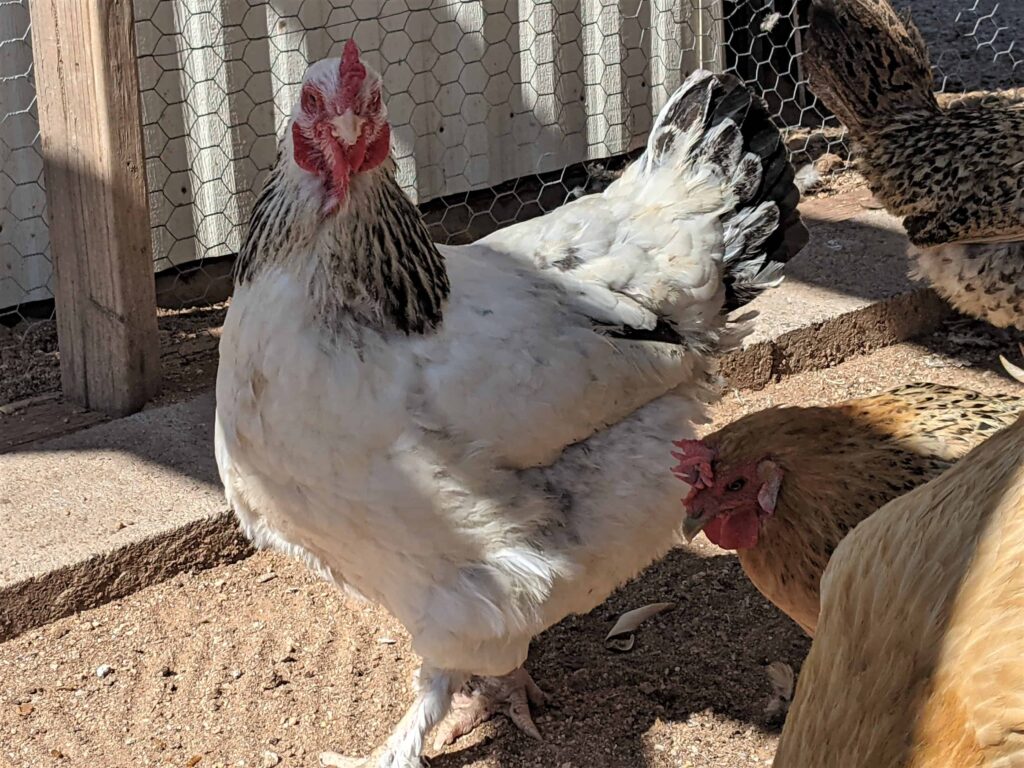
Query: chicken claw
[382,757]
[334,760]
[483,697]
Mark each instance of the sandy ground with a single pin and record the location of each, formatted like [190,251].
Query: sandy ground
[224,666]
[261,664]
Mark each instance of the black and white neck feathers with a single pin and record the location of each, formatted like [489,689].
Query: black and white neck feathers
[372,261]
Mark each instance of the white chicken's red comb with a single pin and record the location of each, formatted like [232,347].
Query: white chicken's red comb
[352,72]
[694,466]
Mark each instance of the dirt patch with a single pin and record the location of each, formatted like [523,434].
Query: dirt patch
[221,667]
[31,405]
[30,360]
[29,364]
[229,665]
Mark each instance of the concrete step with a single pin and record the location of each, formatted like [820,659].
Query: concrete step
[98,514]
[845,294]
[95,515]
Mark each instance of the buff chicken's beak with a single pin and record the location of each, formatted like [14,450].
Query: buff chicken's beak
[694,525]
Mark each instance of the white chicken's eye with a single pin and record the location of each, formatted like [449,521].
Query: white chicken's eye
[736,485]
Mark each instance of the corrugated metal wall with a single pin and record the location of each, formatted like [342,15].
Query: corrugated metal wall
[479,92]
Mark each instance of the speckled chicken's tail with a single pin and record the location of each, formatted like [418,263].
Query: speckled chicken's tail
[715,121]
[865,61]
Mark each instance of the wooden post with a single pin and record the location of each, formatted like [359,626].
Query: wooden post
[87,84]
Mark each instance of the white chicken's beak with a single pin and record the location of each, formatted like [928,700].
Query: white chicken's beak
[347,127]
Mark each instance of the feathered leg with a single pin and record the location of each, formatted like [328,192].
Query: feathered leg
[483,697]
[405,745]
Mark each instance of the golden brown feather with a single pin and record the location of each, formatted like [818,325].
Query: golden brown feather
[919,657]
[838,465]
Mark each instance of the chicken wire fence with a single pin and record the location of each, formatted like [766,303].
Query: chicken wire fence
[501,110]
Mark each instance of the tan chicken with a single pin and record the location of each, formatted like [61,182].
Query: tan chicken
[919,657]
[784,486]
[953,171]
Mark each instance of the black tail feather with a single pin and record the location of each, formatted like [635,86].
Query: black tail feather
[760,238]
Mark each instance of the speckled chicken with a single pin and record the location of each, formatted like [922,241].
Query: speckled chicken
[784,486]
[919,657]
[954,172]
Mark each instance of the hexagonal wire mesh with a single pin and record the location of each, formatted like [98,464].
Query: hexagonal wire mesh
[502,110]
[28,338]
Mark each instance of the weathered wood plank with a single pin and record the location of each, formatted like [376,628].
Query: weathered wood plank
[89,118]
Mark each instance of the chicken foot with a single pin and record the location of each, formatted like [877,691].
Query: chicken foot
[435,689]
[483,697]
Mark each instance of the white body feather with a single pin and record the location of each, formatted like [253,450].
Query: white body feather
[395,465]
[486,479]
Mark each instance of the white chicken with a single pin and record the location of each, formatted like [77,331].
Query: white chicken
[477,437]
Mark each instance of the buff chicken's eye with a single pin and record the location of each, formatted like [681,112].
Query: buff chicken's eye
[736,485]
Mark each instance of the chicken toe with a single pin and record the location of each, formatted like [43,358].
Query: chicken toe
[382,758]
[334,760]
[483,697]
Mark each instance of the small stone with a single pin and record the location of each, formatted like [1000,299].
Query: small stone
[194,760]
[829,163]
[235,674]
[269,759]
[274,681]
[103,670]
[268,576]
[25,709]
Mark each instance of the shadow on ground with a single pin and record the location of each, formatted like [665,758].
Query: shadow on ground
[227,663]
[694,679]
